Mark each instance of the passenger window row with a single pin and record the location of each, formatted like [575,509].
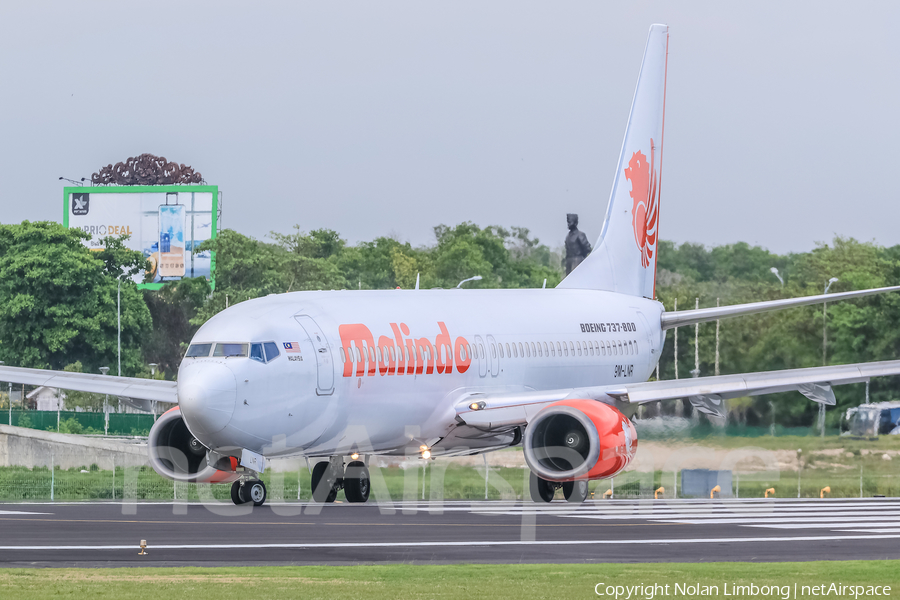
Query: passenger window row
[565,349]
[389,354]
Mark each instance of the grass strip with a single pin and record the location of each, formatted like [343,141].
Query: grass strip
[495,582]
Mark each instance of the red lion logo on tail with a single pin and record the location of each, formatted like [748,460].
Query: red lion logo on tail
[644,192]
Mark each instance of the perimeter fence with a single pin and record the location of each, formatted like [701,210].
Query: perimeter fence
[79,422]
[441,479]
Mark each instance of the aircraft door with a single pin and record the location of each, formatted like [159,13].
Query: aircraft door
[495,356]
[483,356]
[324,360]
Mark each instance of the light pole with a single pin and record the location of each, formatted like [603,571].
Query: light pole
[152,373]
[119,326]
[824,348]
[772,406]
[105,371]
[9,400]
[475,278]
[675,309]
[775,272]
[696,371]
[717,342]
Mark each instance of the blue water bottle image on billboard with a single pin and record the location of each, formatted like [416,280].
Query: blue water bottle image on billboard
[171,241]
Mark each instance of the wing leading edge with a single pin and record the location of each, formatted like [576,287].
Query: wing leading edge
[669,320]
[705,393]
[152,390]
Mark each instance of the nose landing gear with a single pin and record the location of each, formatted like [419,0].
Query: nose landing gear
[330,477]
[249,490]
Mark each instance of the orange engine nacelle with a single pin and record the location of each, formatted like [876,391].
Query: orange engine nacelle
[176,454]
[579,439]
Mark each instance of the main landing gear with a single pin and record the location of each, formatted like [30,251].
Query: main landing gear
[330,477]
[248,490]
[543,490]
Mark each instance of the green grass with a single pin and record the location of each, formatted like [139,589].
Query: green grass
[391,582]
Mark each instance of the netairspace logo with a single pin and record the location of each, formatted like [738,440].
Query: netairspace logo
[785,592]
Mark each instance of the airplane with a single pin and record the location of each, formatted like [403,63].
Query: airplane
[338,375]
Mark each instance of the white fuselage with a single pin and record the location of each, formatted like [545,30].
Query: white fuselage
[341,384]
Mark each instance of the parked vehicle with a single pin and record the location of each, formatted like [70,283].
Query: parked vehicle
[869,420]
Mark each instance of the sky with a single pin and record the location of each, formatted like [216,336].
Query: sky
[388,118]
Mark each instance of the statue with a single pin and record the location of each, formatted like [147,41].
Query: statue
[577,244]
[146,169]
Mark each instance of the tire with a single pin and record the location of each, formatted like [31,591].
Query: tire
[236,493]
[541,489]
[576,491]
[356,482]
[255,491]
[324,483]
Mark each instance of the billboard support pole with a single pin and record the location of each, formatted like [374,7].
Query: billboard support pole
[119,325]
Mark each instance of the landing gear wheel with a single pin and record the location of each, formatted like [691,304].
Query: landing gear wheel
[541,489]
[255,491]
[356,482]
[324,482]
[575,491]
[236,493]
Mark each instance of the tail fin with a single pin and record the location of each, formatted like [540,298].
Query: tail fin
[625,257]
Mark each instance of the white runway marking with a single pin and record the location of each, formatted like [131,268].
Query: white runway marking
[22,512]
[873,517]
[832,525]
[467,544]
[835,520]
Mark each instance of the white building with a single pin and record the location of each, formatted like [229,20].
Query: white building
[47,398]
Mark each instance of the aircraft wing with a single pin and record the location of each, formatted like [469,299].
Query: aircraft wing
[669,320]
[706,394]
[137,392]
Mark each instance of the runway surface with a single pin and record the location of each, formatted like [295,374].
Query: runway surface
[109,534]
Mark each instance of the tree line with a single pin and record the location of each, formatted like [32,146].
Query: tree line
[58,298]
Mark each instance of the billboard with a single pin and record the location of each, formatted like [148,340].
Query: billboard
[164,222]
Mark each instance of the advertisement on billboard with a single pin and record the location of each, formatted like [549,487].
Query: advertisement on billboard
[165,223]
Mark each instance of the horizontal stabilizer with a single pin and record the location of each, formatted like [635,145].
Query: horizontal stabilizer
[670,320]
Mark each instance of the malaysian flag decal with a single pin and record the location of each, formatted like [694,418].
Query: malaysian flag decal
[292,347]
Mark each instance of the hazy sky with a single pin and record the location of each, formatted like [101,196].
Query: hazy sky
[387,118]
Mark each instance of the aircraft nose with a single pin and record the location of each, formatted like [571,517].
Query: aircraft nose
[206,395]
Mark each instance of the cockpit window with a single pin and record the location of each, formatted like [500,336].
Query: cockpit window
[271,350]
[198,350]
[227,350]
[256,352]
